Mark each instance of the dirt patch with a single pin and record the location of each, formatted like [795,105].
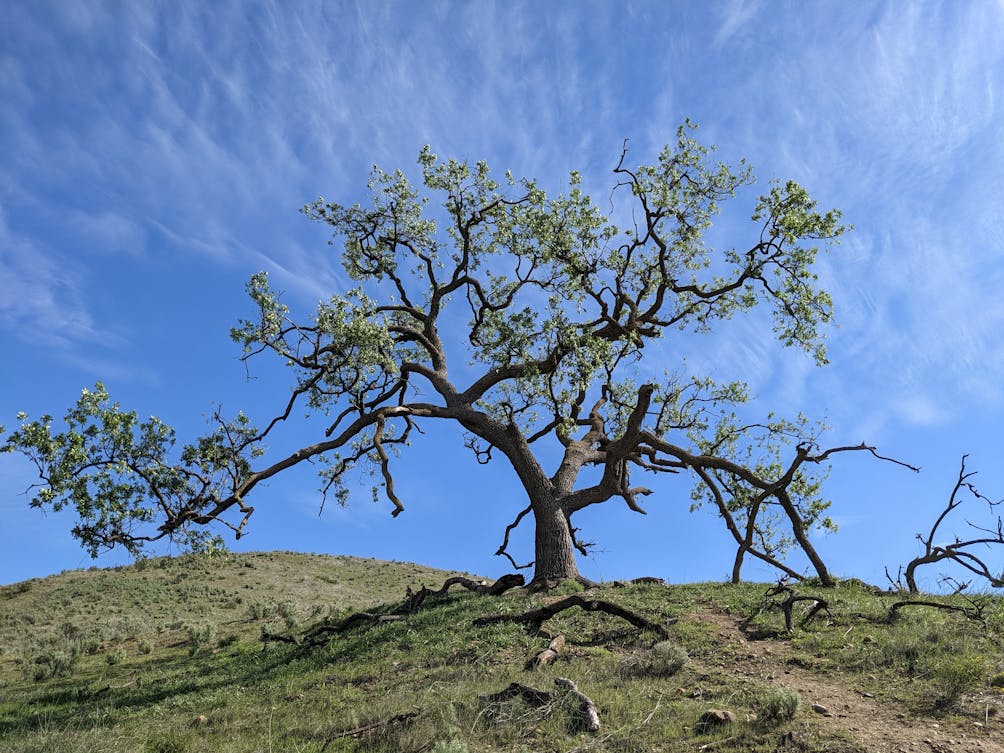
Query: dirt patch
[847,712]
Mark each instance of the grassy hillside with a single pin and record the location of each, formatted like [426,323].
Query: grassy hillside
[166,657]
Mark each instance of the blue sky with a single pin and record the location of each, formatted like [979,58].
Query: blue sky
[154,156]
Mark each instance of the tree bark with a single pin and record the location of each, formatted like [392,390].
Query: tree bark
[554,553]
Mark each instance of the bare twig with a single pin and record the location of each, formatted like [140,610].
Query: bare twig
[960,551]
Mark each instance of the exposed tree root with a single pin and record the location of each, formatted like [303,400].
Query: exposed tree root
[586,716]
[537,617]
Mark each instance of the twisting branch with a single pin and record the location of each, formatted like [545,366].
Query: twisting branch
[791,599]
[388,480]
[778,488]
[744,540]
[503,550]
[319,633]
[974,611]
[536,617]
[959,551]
[583,547]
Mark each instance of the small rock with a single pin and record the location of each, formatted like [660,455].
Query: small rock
[713,718]
[821,709]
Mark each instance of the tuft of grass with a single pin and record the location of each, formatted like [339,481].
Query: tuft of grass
[778,706]
[951,677]
[666,659]
[200,634]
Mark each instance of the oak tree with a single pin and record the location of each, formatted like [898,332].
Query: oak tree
[553,313]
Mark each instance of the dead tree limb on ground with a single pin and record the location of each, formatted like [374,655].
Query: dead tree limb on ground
[531,696]
[974,611]
[319,633]
[549,654]
[499,587]
[537,617]
[586,716]
[960,551]
[788,604]
[413,601]
[645,579]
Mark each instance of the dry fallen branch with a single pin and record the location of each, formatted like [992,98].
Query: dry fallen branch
[549,654]
[787,606]
[499,587]
[586,716]
[531,696]
[974,611]
[537,617]
[413,600]
[646,579]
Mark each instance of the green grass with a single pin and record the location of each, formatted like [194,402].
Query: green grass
[165,657]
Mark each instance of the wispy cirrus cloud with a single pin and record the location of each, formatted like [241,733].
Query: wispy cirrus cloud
[893,116]
[40,299]
[734,15]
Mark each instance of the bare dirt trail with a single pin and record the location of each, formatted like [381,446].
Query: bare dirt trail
[850,714]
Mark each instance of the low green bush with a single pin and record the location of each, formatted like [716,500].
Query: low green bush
[953,676]
[665,659]
[777,706]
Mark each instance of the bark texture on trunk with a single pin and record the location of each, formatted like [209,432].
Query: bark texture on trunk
[554,553]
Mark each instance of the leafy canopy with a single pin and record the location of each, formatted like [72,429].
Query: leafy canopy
[517,315]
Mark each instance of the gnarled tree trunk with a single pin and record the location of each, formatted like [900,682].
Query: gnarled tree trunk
[554,553]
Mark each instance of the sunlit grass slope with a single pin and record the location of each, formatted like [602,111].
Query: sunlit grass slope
[166,657]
